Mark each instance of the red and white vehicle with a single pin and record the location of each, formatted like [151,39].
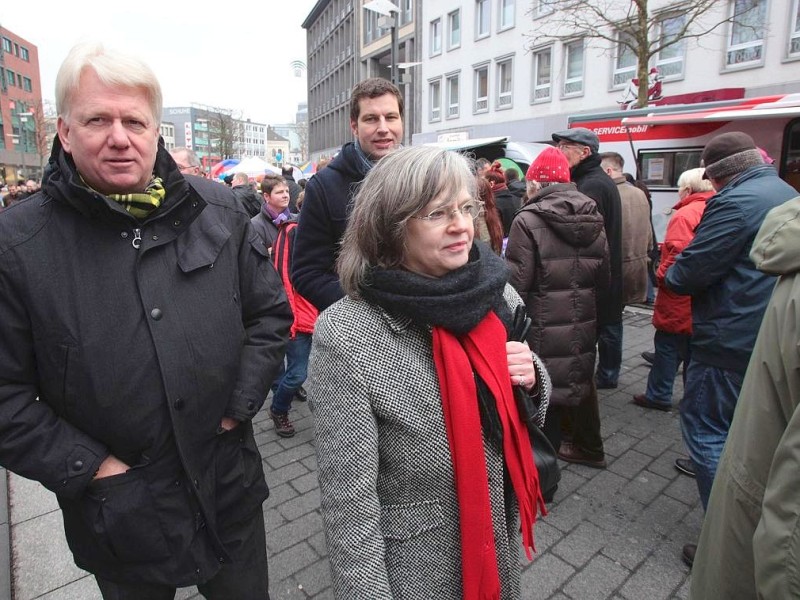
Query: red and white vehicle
[660,142]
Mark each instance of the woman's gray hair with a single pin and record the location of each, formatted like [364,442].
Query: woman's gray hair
[693,181]
[113,68]
[396,189]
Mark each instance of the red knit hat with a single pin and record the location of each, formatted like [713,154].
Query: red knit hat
[550,166]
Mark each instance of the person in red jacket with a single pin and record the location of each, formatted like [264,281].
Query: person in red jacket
[672,314]
[290,380]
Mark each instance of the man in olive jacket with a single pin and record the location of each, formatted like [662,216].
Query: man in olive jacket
[141,325]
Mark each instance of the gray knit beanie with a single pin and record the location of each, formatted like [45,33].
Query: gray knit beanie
[729,154]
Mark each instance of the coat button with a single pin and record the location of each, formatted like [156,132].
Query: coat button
[251,405]
[156,314]
[155,238]
[196,483]
[124,235]
[77,465]
[176,223]
[179,404]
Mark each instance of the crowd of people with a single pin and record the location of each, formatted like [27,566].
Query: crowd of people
[388,293]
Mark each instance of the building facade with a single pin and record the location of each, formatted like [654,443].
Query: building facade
[487,73]
[278,148]
[348,42]
[23,142]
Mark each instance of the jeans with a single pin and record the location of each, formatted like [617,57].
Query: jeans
[609,353]
[706,413]
[671,349]
[292,376]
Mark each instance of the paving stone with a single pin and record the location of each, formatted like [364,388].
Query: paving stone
[305,483]
[544,576]
[297,530]
[292,560]
[658,578]
[84,588]
[581,544]
[29,499]
[683,489]
[619,443]
[317,542]
[655,445]
[280,494]
[285,474]
[630,463]
[301,505]
[597,580]
[291,455]
[603,485]
[645,487]
[315,578]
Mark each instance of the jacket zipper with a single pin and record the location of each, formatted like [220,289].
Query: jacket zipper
[137,238]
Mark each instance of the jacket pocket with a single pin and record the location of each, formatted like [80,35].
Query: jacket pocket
[202,248]
[407,521]
[241,486]
[58,386]
[122,514]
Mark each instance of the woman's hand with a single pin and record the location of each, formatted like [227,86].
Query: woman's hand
[520,365]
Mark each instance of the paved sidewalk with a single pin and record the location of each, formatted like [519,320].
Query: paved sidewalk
[613,534]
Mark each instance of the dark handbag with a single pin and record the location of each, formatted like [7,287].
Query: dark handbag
[532,408]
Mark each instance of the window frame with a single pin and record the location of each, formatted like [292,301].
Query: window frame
[7,45]
[476,70]
[435,26]
[539,9]
[794,31]
[742,47]
[501,4]
[437,116]
[501,95]
[535,86]
[626,71]
[450,44]
[681,45]
[567,80]
[453,108]
[479,12]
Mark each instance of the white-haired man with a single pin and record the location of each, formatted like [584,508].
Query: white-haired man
[140,328]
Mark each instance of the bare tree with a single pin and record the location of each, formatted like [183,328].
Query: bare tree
[44,129]
[635,27]
[301,129]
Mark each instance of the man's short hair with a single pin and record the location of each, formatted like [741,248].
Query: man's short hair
[613,159]
[511,175]
[287,170]
[374,87]
[239,179]
[188,154]
[113,68]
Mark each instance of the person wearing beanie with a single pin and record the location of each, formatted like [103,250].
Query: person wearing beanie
[558,256]
[580,147]
[729,296]
[506,201]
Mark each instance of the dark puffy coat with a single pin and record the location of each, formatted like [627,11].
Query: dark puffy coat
[591,180]
[558,256]
[106,348]
[249,199]
[265,228]
[323,219]
[728,293]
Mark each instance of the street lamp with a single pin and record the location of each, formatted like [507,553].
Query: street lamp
[385,8]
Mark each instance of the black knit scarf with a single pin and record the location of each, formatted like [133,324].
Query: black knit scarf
[457,301]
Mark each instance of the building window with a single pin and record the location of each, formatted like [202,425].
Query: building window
[27,84]
[505,84]
[543,7]
[746,42]
[573,68]
[436,37]
[452,96]
[435,95]
[406,11]
[6,45]
[481,89]
[506,8]
[23,54]
[625,62]
[483,18]
[542,74]
[794,38]
[454,29]
[11,78]
[670,60]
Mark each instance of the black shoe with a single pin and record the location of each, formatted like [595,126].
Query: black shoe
[283,426]
[649,356]
[301,395]
[685,466]
[644,402]
[605,385]
[689,550]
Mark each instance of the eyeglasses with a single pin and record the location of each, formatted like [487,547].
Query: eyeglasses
[440,216]
[183,168]
[565,145]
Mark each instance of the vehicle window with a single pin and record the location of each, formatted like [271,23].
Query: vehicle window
[661,168]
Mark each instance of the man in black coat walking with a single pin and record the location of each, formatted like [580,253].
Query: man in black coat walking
[581,146]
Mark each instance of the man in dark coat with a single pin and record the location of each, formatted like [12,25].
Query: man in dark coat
[141,326]
[249,199]
[376,120]
[580,146]
[294,188]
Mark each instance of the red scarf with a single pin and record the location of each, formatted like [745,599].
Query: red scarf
[483,350]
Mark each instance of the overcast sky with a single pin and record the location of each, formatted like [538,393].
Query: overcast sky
[235,55]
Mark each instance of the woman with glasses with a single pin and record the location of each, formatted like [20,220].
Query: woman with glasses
[425,465]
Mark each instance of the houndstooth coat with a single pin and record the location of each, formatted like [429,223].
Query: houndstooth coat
[388,496]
